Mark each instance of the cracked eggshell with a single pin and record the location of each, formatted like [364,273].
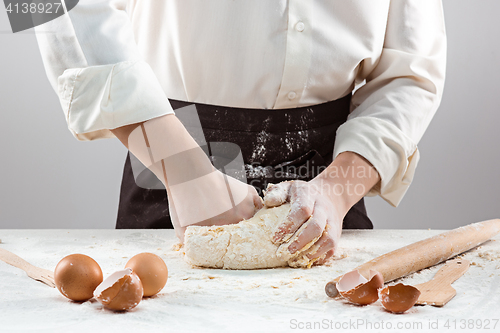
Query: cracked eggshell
[76,276]
[398,298]
[357,289]
[151,270]
[121,291]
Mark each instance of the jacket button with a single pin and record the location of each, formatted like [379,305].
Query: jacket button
[300,26]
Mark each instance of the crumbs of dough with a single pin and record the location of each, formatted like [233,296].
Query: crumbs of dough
[488,255]
[213,231]
[177,247]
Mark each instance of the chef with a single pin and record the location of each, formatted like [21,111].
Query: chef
[325,99]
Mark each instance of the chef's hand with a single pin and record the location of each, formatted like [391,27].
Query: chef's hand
[320,214]
[319,206]
[197,192]
[215,199]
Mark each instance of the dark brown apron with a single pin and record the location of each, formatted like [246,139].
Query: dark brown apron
[276,145]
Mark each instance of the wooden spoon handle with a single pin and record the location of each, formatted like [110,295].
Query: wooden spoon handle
[438,291]
[451,271]
[14,260]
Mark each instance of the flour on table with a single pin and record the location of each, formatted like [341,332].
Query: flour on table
[245,245]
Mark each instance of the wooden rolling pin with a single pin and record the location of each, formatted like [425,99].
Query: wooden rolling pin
[425,253]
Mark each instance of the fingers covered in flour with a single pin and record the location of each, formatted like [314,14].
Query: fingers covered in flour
[323,258]
[277,194]
[306,231]
[302,206]
[314,242]
[310,232]
[326,244]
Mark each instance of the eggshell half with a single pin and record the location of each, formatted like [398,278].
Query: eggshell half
[76,276]
[357,289]
[152,271]
[121,291]
[398,298]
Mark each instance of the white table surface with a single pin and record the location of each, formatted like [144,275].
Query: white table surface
[209,300]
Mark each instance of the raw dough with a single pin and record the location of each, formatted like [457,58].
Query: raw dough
[245,245]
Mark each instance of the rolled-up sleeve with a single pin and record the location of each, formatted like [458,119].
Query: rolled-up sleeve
[93,63]
[403,90]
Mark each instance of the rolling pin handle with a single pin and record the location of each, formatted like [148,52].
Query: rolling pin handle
[331,289]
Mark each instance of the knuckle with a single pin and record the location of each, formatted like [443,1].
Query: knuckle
[293,189]
[282,186]
[329,242]
[329,254]
[315,228]
[304,210]
[297,186]
[271,189]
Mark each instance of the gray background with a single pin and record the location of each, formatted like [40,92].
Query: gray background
[50,180]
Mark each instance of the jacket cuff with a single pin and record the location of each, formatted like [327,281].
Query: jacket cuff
[387,148]
[99,98]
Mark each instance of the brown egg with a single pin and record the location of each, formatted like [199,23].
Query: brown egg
[76,276]
[398,298]
[357,289]
[121,291]
[152,271]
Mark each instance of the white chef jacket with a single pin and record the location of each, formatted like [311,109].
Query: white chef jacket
[114,63]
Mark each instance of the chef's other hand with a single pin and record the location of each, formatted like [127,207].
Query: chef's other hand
[318,207]
[198,193]
[319,215]
[215,199]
